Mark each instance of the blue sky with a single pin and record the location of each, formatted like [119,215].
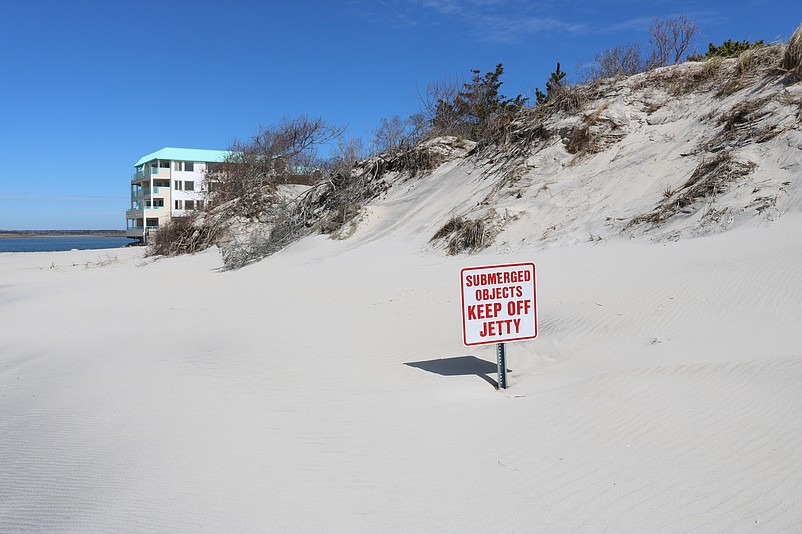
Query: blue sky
[90,86]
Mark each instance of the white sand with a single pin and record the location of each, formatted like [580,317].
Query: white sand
[662,395]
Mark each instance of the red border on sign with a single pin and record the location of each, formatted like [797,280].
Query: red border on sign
[462,298]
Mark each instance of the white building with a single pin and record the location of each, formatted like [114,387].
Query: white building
[168,183]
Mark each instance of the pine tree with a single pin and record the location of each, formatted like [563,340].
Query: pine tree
[474,107]
[553,86]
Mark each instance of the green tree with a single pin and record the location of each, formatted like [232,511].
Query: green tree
[554,85]
[729,48]
[475,109]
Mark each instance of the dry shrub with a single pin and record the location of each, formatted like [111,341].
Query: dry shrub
[792,59]
[758,61]
[744,112]
[569,99]
[451,226]
[711,69]
[677,80]
[530,128]
[463,235]
[339,217]
[413,160]
[744,124]
[746,61]
[712,177]
[751,65]
[182,235]
[583,140]
[260,244]
[731,86]
[684,83]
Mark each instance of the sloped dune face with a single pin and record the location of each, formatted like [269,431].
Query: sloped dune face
[326,387]
[664,155]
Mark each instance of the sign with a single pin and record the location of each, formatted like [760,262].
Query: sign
[498,303]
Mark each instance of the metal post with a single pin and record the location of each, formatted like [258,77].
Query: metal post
[501,355]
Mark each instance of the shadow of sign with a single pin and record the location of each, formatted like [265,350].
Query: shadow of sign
[460,366]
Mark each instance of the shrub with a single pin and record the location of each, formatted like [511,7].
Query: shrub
[670,38]
[711,177]
[472,111]
[623,60]
[583,140]
[182,235]
[729,48]
[554,86]
[463,235]
[261,243]
[279,154]
[792,60]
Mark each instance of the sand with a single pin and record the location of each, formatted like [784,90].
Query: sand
[299,394]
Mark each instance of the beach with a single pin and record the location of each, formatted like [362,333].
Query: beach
[326,388]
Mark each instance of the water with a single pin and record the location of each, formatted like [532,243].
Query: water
[51,244]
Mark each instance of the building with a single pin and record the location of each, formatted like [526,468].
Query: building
[168,183]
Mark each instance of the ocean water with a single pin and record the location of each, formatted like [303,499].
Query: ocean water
[51,244]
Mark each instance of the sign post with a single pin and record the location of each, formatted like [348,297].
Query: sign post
[501,358]
[499,305]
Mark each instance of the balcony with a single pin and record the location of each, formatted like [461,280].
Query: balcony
[145,174]
[139,231]
[148,191]
[138,211]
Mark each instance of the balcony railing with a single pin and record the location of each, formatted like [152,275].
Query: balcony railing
[148,172]
[135,209]
[147,191]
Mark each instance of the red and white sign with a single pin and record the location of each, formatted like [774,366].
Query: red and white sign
[498,303]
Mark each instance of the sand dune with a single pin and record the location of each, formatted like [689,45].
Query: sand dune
[326,389]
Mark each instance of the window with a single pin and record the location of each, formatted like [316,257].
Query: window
[152,222]
[189,185]
[199,204]
[189,204]
[158,202]
[178,204]
[164,164]
[179,185]
[187,166]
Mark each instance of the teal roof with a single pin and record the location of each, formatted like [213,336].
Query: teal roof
[184,154]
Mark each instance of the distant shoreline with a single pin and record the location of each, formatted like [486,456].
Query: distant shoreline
[8,234]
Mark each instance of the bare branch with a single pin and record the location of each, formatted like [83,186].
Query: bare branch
[670,38]
[277,154]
